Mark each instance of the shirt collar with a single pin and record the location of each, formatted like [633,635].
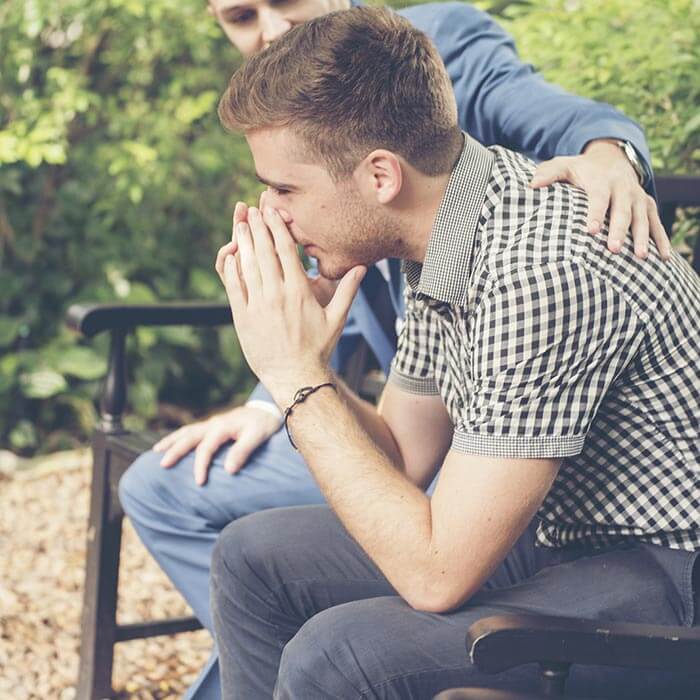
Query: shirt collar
[444,274]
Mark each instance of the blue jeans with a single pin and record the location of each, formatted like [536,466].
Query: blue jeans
[301,613]
[179,521]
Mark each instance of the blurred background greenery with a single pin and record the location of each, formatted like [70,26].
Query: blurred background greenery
[117,182]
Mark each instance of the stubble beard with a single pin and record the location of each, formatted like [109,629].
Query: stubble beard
[369,235]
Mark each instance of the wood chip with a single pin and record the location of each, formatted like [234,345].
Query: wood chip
[43,529]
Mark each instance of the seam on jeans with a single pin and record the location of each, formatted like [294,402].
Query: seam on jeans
[431,669]
[687,592]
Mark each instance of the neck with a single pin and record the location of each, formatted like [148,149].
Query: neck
[422,196]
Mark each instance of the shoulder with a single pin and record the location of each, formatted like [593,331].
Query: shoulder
[522,226]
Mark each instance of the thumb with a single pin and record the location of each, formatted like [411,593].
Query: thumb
[548,173]
[339,305]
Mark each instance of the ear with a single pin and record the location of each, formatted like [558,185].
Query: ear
[380,175]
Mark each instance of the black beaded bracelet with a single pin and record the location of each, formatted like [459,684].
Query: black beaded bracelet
[300,397]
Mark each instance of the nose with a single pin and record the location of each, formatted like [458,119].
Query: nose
[273,24]
[269,199]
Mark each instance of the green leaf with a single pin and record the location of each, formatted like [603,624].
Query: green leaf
[42,384]
[693,124]
[9,330]
[23,436]
[80,362]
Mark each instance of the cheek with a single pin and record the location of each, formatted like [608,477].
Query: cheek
[247,41]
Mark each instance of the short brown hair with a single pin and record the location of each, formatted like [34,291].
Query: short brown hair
[349,82]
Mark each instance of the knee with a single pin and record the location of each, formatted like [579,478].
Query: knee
[257,555]
[244,551]
[142,483]
[325,659]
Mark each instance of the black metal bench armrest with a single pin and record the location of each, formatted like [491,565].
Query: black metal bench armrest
[682,190]
[90,319]
[501,642]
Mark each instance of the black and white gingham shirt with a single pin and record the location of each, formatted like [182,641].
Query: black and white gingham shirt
[542,344]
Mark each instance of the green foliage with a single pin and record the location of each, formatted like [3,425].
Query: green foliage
[117,182]
[642,56]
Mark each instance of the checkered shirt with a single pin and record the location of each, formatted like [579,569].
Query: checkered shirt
[542,344]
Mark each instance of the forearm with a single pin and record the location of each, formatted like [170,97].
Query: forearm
[384,512]
[372,423]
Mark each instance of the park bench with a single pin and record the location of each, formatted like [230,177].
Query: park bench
[496,642]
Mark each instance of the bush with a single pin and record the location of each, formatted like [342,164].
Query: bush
[117,182]
[642,56]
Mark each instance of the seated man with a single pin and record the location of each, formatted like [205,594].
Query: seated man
[554,385]
[500,100]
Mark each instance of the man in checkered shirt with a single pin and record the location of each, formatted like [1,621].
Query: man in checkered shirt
[555,386]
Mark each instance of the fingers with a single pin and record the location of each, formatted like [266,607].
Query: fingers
[233,283]
[339,305]
[598,203]
[284,246]
[228,249]
[166,441]
[248,259]
[240,214]
[178,444]
[640,229]
[658,231]
[620,220]
[248,441]
[216,435]
[555,170]
[268,262]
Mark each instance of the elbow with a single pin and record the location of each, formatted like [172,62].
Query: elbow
[439,595]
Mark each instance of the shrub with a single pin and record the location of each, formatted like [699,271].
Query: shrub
[116,182]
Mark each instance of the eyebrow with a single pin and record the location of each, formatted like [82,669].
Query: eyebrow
[235,5]
[276,185]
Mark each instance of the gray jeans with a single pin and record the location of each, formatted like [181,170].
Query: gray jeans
[301,612]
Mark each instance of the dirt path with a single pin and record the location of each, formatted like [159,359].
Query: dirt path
[43,515]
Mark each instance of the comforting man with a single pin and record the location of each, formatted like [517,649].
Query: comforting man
[499,100]
[554,385]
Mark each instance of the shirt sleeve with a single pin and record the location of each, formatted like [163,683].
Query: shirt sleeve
[413,366]
[548,344]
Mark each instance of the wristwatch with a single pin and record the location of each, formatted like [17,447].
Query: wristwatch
[631,154]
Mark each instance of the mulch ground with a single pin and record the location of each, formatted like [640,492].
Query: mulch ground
[43,517]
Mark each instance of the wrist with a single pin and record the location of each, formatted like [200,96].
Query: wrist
[620,150]
[301,396]
[593,143]
[266,407]
[284,390]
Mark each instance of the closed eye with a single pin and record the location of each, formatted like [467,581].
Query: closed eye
[239,15]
